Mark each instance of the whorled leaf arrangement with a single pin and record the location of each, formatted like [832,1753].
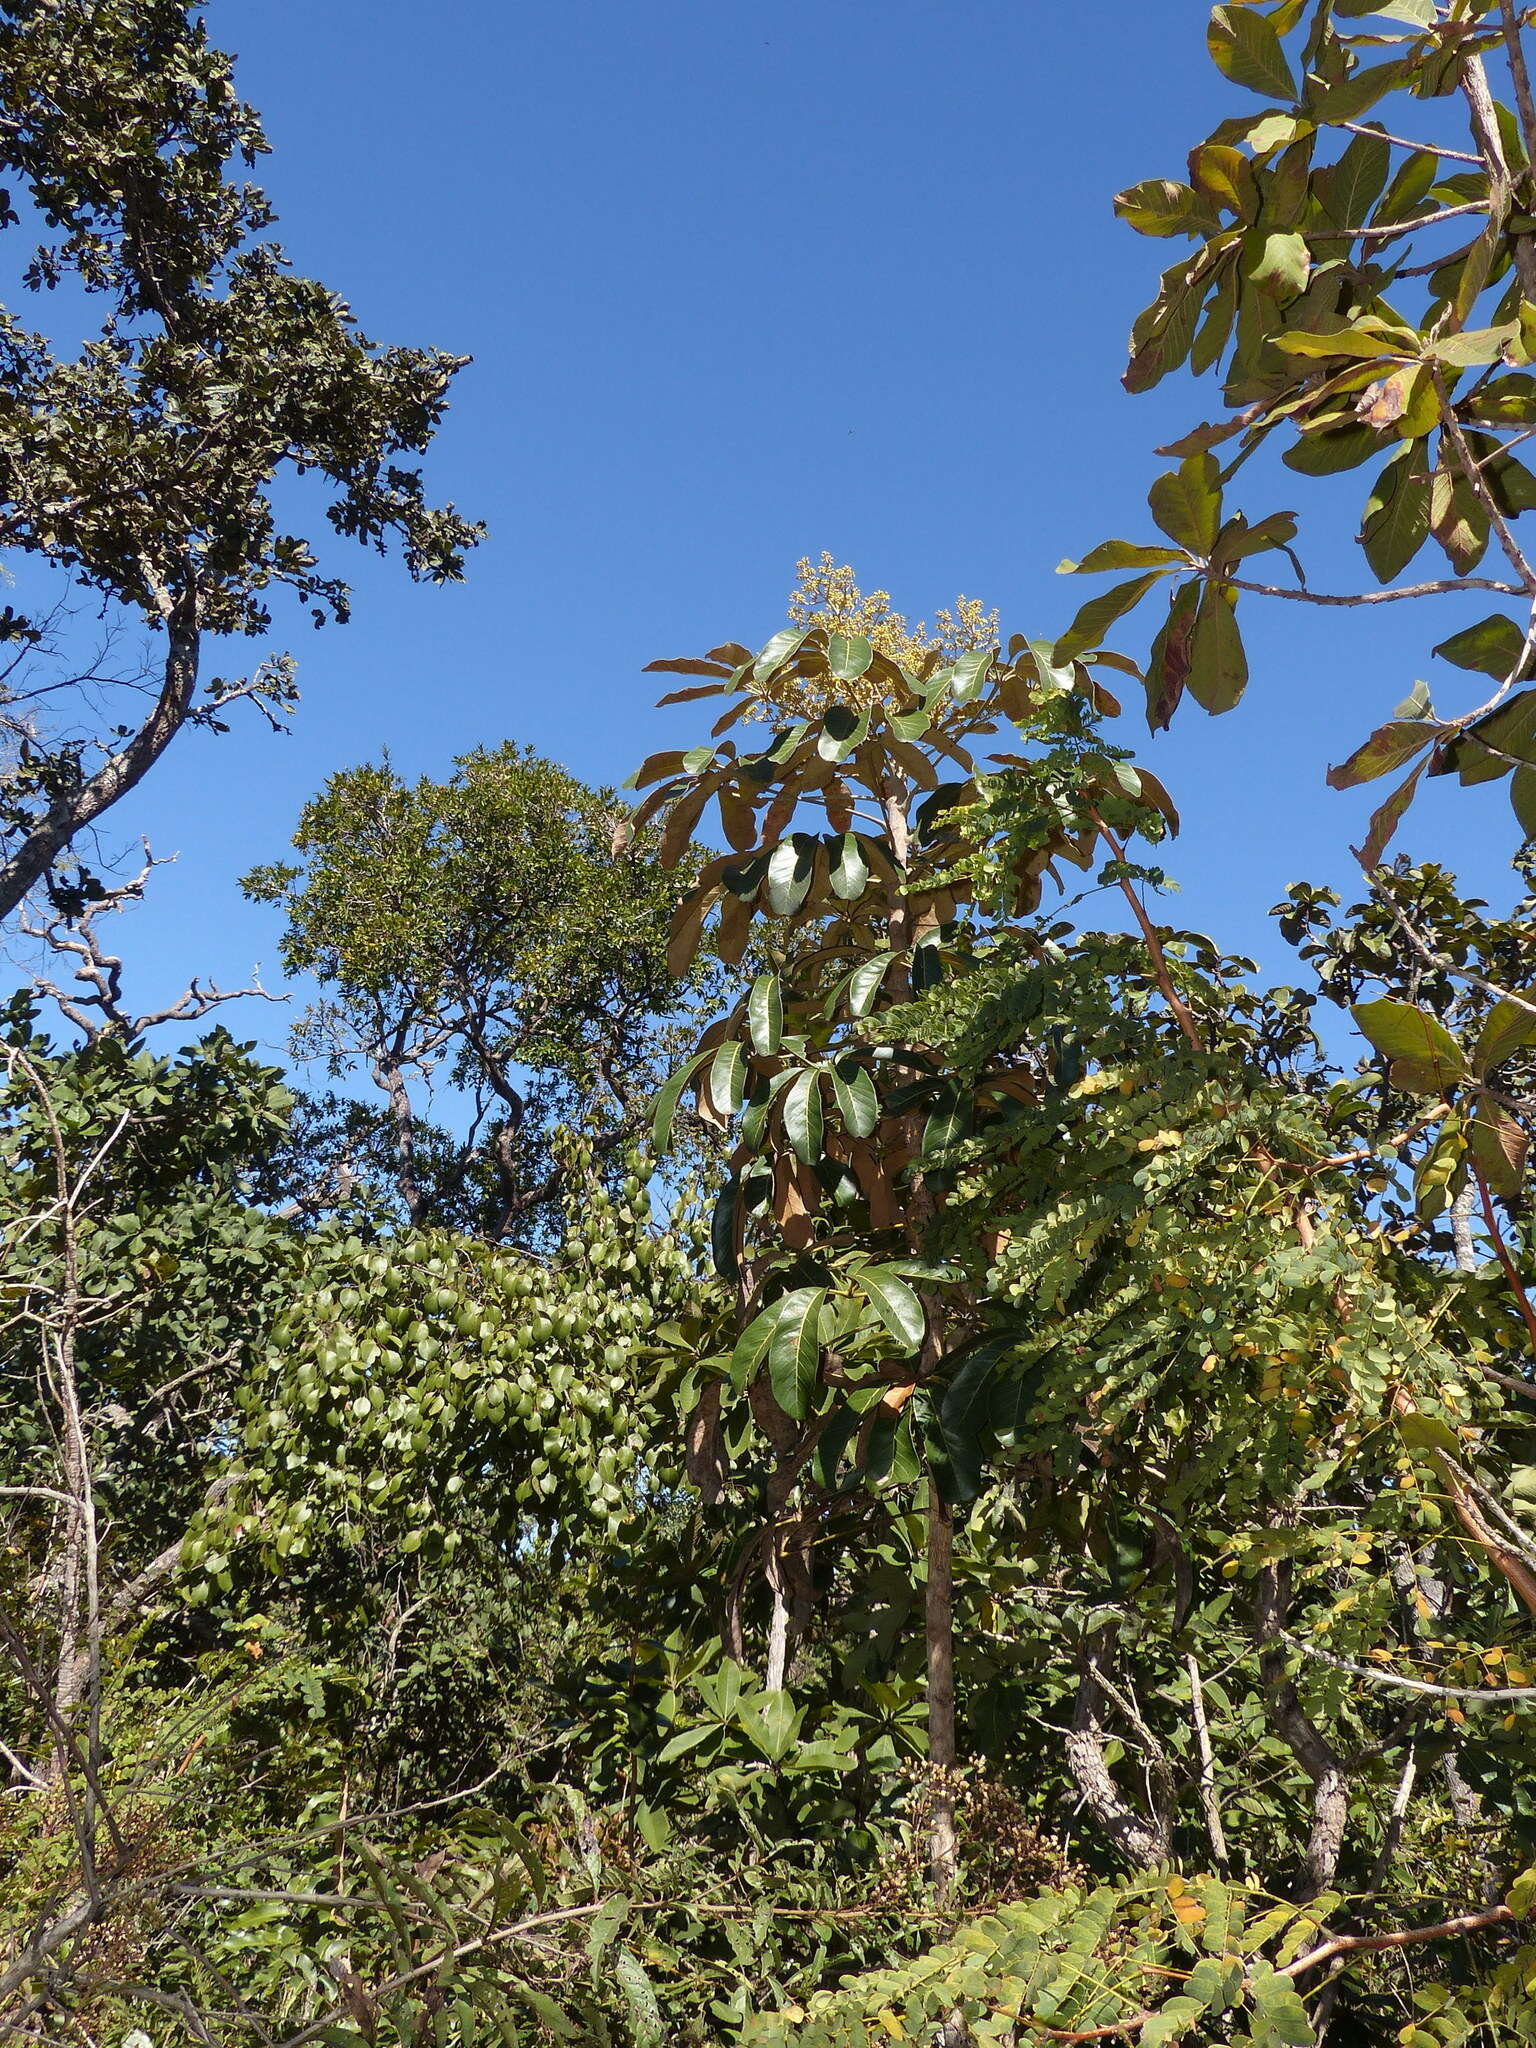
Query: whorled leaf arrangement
[1340,343]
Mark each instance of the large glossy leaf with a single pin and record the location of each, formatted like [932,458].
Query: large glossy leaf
[1354,96]
[1327,453]
[791,867]
[803,1116]
[1386,818]
[1094,619]
[842,731]
[1186,503]
[688,927]
[752,1345]
[1439,1169]
[848,869]
[1424,1057]
[1123,554]
[1507,1027]
[969,673]
[690,666]
[765,1014]
[857,1103]
[668,1097]
[864,983]
[722,1233]
[1218,666]
[1492,647]
[1387,748]
[776,652]
[894,1302]
[771,1721]
[1499,1148]
[965,1414]
[1487,749]
[727,1076]
[1246,49]
[1396,523]
[1352,186]
[1163,206]
[1168,661]
[794,1349]
[848,655]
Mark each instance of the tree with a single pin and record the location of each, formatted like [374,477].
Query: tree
[1341,343]
[824,1223]
[142,468]
[480,929]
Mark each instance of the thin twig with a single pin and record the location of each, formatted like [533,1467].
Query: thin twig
[1420,1685]
[1455,156]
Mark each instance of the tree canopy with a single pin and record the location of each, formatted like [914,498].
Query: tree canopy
[873,1442]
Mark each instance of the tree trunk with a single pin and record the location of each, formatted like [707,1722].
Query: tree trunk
[939,1619]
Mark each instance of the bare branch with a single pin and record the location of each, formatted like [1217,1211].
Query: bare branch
[1450,586]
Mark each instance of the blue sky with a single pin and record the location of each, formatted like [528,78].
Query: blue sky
[742,283]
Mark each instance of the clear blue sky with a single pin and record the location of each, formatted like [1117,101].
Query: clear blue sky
[743,282]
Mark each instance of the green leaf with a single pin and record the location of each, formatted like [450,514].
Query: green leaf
[965,1415]
[969,673]
[771,1721]
[776,652]
[803,1116]
[752,1345]
[1386,818]
[1521,1896]
[1506,1029]
[843,731]
[1284,263]
[1474,346]
[1417,13]
[1522,794]
[667,1098]
[1246,49]
[857,1103]
[1488,747]
[765,1014]
[1279,2006]
[794,1350]
[647,2026]
[1162,206]
[1362,342]
[1171,2022]
[1096,617]
[1492,647]
[1425,1059]
[1326,453]
[864,983]
[722,1232]
[894,1303]
[1186,503]
[848,870]
[1500,1149]
[1354,96]
[1396,521]
[1352,186]
[1388,747]
[791,868]
[848,655]
[727,1077]
[1122,554]
[1218,666]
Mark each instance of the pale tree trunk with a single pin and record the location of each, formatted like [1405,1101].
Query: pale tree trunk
[939,1631]
[939,1588]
